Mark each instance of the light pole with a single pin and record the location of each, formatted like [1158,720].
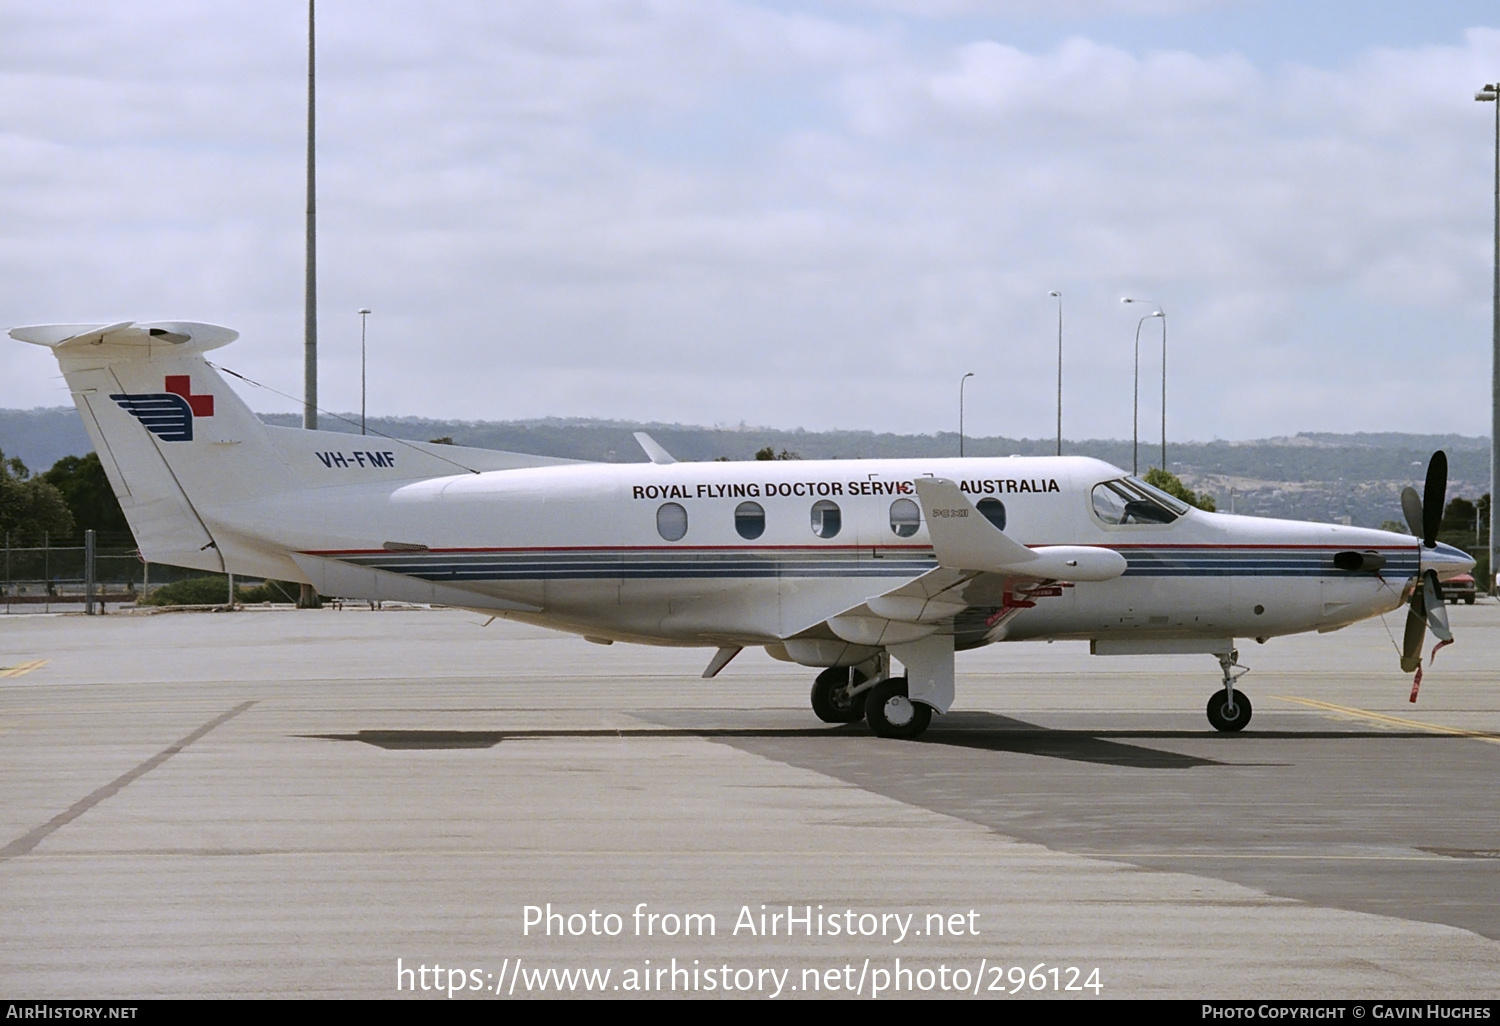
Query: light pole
[310,282]
[308,597]
[1159,312]
[1489,94]
[961,381]
[1058,296]
[362,315]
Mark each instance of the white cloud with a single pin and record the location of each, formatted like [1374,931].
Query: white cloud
[715,212]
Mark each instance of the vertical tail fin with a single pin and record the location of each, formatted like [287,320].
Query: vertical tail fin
[174,439]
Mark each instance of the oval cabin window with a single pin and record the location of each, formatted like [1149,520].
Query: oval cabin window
[906,518]
[750,520]
[671,521]
[993,510]
[826,518]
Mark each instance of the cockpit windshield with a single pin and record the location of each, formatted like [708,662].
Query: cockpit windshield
[1130,500]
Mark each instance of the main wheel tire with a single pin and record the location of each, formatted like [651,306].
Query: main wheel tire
[1221,720]
[829,699]
[890,713]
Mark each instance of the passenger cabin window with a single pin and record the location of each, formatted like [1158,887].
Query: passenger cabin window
[671,521]
[993,510]
[906,517]
[826,518]
[1130,500]
[750,520]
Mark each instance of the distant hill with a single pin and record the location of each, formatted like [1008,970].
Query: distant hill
[43,436]
[1354,478]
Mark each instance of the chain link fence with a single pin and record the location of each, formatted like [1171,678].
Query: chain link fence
[41,578]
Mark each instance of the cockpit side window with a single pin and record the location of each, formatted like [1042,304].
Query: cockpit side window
[1172,502]
[1130,501]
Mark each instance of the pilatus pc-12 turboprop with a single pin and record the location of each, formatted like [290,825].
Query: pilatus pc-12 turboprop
[848,565]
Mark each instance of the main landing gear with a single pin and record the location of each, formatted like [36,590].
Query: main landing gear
[1229,710]
[890,713]
[831,697]
[844,694]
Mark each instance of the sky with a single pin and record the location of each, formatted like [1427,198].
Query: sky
[779,213]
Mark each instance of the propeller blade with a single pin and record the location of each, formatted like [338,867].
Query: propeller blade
[1437,608]
[1411,505]
[1416,630]
[1432,497]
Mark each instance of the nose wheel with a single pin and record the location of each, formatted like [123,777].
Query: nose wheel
[1226,717]
[1229,710]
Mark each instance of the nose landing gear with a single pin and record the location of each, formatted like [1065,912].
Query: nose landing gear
[1229,710]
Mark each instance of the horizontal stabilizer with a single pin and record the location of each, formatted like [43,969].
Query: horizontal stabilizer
[125,340]
[964,540]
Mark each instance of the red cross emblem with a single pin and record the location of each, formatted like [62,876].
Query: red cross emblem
[181,384]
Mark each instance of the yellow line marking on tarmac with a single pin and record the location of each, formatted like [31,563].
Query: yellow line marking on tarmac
[1225,855]
[1392,721]
[16,671]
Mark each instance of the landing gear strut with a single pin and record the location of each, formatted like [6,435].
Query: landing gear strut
[831,698]
[1229,710]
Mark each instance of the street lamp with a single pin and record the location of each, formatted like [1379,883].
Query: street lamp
[961,381]
[307,598]
[1058,296]
[1489,94]
[310,270]
[1162,314]
[362,315]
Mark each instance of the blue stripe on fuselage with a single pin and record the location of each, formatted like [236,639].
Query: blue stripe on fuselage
[665,563]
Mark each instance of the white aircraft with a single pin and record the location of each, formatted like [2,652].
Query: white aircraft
[839,564]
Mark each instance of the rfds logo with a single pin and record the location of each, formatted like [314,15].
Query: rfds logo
[168,415]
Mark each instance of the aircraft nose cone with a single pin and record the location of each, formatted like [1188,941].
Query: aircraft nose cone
[1446,560]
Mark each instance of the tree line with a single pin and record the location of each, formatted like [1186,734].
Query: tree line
[56,506]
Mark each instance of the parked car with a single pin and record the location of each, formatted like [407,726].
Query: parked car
[1459,588]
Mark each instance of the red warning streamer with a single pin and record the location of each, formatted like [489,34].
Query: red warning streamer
[1416,681]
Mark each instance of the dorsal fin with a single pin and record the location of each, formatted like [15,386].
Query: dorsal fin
[654,452]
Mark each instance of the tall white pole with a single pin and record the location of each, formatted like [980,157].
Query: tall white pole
[308,597]
[961,381]
[362,315]
[1491,94]
[1490,585]
[1058,296]
[1135,415]
[1163,389]
[310,295]
[1135,405]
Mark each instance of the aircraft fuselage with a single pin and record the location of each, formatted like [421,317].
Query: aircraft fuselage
[585,544]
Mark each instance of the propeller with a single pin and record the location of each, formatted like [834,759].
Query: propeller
[1424,516]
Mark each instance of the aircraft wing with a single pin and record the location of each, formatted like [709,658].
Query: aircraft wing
[964,540]
[937,594]
[978,564]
